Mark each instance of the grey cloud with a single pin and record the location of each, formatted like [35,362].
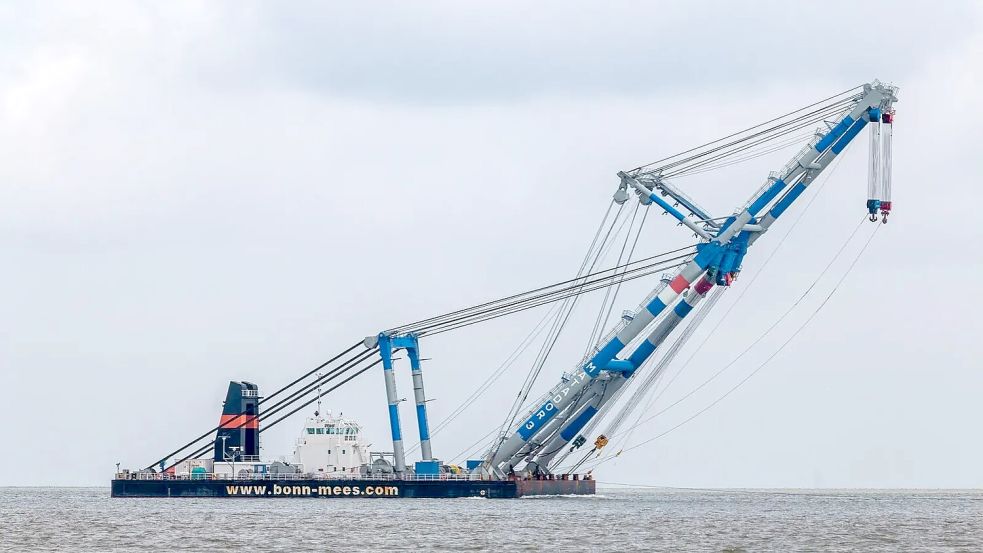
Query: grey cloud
[453,53]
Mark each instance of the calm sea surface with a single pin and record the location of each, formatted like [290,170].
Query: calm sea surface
[87,519]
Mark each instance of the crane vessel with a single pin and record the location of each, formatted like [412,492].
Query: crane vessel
[539,449]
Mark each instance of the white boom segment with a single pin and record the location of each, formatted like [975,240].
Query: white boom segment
[576,400]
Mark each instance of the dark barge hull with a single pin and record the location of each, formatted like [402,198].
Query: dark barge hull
[348,489]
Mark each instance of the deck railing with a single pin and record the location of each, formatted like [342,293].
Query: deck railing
[291,476]
[296,476]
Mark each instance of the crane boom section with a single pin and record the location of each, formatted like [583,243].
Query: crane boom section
[719,257]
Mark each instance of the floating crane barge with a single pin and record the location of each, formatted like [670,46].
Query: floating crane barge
[528,455]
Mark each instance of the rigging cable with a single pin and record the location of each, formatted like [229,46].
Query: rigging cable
[635,272]
[819,189]
[493,377]
[767,331]
[654,375]
[282,404]
[576,290]
[617,289]
[601,319]
[766,361]
[309,373]
[554,334]
[206,434]
[493,430]
[751,154]
[757,138]
[780,117]
[542,291]
[499,372]
[597,234]
[638,422]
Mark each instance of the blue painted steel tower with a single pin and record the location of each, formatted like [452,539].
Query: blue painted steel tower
[388,344]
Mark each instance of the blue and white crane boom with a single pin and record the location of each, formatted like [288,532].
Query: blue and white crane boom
[577,399]
[571,408]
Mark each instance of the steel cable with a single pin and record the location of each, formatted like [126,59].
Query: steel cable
[771,357]
[780,117]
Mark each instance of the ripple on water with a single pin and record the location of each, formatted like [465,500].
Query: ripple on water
[86,519]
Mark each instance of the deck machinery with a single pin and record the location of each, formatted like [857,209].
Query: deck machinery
[528,452]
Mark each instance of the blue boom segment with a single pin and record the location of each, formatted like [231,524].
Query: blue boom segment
[707,254]
[720,257]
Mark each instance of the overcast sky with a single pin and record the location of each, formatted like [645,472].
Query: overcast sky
[199,192]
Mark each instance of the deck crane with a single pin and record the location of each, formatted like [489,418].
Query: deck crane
[583,395]
[556,424]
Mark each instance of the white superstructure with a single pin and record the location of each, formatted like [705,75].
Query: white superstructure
[331,445]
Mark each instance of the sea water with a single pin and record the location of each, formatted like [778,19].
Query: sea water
[87,519]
